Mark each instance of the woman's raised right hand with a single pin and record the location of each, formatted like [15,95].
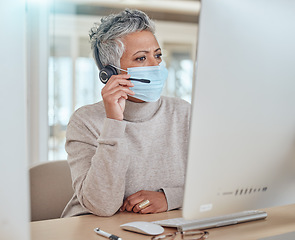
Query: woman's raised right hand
[114,94]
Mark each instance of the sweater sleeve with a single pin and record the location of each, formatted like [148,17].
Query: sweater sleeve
[174,197]
[98,165]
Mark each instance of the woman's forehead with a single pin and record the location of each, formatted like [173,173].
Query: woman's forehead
[140,41]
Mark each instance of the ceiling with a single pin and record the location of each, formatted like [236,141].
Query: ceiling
[165,10]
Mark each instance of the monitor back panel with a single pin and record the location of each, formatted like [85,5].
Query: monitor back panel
[242,142]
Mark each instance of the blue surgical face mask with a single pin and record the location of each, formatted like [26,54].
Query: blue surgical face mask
[148,92]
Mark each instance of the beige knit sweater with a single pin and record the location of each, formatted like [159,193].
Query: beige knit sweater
[111,159]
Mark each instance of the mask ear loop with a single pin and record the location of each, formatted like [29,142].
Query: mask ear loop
[118,68]
[132,79]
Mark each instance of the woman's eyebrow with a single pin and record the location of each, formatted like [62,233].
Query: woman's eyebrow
[141,51]
[146,51]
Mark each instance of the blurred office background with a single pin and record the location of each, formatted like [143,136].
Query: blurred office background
[62,75]
[47,72]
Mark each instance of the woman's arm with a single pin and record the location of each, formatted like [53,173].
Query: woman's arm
[98,165]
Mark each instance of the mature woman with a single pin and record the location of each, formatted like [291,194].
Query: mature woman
[128,152]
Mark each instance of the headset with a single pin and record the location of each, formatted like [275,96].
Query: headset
[106,72]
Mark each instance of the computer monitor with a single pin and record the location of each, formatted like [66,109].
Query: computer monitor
[242,141]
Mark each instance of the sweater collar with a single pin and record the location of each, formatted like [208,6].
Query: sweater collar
[140,112]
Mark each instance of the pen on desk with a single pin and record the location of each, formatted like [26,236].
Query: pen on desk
[107,235]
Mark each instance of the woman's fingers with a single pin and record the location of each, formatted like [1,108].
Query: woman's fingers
[157,202]
[117,90]
[116,80]
[114,94]
[131,201]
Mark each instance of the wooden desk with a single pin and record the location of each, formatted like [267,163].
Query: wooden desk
[280,220]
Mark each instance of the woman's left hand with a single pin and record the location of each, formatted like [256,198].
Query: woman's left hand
[158,202]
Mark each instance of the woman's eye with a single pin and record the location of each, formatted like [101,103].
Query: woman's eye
[159,55]
[140,59]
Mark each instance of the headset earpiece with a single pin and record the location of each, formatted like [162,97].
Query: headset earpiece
[106,73]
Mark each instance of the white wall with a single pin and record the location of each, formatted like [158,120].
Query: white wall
[14,201]
[37,67]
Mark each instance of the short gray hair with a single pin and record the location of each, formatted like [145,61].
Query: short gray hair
[107,36]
